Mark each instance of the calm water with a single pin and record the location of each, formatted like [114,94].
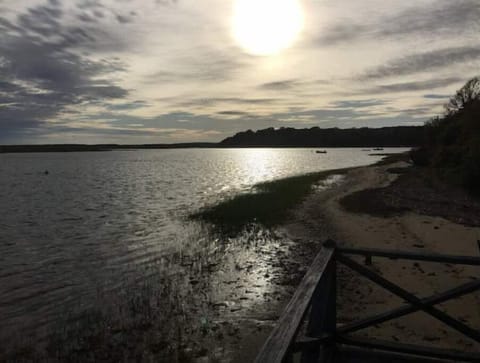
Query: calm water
[96,217]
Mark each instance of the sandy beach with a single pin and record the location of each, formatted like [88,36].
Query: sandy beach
[409,228]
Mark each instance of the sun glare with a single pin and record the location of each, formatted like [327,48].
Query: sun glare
[266,27]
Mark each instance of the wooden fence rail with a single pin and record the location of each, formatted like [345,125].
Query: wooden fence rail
[312,310]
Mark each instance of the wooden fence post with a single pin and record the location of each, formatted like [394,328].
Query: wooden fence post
[323,316]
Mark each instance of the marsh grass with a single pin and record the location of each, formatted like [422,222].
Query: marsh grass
[268,203]
[157,315]
[142,325]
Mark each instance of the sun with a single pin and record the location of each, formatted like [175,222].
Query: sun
[266,27]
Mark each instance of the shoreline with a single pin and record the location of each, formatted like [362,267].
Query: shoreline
[410,228]
[75,148]
[238,286]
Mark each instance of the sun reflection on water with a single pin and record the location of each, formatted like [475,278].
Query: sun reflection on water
[259,164]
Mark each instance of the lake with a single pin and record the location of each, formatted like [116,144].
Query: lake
[101,224]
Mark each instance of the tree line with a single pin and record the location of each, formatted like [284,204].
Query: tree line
[328,137]
[451,146]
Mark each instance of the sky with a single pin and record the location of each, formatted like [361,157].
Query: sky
[168,71]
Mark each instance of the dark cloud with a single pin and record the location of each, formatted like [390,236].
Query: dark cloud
[427,61]
[127,106]
[166,2]
[42,20]
[87,18]
[233,113]
[415,86]
[425,112]
[206,66]
[358,103]
[89,4]
[44,24]
[98,13]
[296,86]
[342,33]
[436,97]
[42,75]
[445,18]
[124,19]
[215,101]
[100,92]
[279,85]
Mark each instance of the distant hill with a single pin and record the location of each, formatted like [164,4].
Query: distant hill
[98,147]
[331,137]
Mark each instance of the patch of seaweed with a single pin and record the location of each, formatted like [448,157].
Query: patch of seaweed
[370,201]
[268,203]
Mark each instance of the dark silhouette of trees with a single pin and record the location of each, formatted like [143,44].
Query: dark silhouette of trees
[332,137]
[452,143]
[469,93]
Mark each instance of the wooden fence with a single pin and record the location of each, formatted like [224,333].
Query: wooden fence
[308,331]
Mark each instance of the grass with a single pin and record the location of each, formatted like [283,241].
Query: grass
[128,328]
[154,316]
[268,204]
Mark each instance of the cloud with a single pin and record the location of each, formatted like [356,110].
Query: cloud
[342,33]
[436,97]
[41,74]
[358,103]
[445,18]
[166,2]
[125,19]
[280,85]
[415,86]
[207,66]
[219,101]
[428,61]
[127,106]
[233,113]
[88,18]
[135,68]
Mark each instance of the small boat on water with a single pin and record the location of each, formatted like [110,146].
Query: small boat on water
[378,148]
[321,151]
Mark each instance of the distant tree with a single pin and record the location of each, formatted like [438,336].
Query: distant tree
[469,93]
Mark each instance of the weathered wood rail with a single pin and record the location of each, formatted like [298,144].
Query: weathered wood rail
[308,331]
